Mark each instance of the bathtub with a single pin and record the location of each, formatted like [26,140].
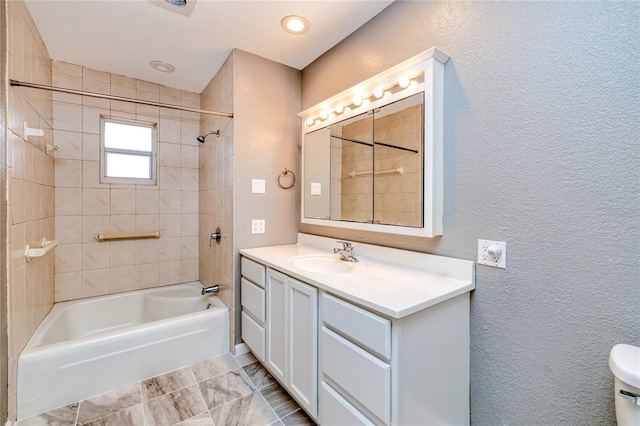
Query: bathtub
[86,347]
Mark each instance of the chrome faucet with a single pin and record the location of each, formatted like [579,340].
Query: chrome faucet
[210,290]
[345,252]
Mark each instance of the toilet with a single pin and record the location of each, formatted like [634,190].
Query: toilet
[624,362]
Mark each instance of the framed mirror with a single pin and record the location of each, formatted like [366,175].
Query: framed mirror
[373,160]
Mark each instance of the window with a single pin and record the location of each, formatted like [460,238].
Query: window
[128,152]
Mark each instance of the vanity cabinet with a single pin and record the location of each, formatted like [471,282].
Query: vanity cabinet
[292,336]
[348,364]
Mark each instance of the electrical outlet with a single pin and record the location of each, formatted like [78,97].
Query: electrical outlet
[492,253]
[257,226]
[257,186]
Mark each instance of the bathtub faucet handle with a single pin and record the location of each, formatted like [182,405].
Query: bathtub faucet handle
[210,290]
[217,236]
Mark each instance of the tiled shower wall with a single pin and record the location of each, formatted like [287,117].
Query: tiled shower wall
[84,206]
[30,176]
[216,186]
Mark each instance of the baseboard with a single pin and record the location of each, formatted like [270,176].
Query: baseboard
[241,348]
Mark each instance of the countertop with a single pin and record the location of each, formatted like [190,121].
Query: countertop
[394,283]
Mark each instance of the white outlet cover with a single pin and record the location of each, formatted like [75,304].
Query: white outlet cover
[257,186]
[485,258]
[257,226]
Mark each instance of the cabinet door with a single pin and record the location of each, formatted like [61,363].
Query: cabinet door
[303,343]
[276,356]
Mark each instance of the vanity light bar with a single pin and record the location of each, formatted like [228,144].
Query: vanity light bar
[403,83]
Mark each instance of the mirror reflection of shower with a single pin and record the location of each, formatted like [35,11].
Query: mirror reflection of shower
[211,132]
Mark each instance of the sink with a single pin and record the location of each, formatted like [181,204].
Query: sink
[321,264]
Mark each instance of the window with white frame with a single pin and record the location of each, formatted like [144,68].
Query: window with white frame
[128,152]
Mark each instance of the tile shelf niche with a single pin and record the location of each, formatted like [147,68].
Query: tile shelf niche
[325,199]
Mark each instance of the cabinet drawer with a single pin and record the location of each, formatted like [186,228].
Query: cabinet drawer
[253,335]
[252,271]
[253,299]
[335,410]
[363,327]
[360,374]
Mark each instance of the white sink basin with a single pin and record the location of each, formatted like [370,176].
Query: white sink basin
[321,264]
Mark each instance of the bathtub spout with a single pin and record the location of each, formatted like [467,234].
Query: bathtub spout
[209,290]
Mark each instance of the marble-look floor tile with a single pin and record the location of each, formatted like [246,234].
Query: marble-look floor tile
[214,367]
[64,416]
[109,403]
[224,388]
[259,375]
[132,416]
[297,418]
[166,383]
[251,410]
[174,407]
[246,359]
[279,400]
[203,419]
[278,423]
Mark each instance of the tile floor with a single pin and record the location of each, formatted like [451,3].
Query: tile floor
[220,391]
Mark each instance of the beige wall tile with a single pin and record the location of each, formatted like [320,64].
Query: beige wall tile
[146,275]
[123,201]
[122,278]
[68,286]
[95,282]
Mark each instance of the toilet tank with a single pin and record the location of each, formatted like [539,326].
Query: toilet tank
[624,362]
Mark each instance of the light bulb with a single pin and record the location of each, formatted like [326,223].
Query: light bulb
[413,83]
[378,92]
[310,121]
[404,82]
[387,93]
[347,109]
[366,102]
[332,116]
[357,100]
[318,122]
[339,108]
[324,114]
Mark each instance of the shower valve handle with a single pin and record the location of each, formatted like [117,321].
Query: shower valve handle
[217,236]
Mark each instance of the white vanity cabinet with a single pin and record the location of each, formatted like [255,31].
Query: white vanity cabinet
[253,316]
[292,337]
[380,344]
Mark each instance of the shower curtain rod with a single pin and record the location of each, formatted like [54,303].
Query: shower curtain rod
[117,98]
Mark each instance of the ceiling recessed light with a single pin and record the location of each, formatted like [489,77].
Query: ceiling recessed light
[295,24]
[162,66]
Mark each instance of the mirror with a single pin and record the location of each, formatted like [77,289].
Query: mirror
[373,153]
[368,168]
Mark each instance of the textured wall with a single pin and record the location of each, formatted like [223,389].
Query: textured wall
[541,127]
[267,139]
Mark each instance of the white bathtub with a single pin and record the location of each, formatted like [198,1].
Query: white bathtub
[86,347]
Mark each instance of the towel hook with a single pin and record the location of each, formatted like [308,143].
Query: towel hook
[284,173]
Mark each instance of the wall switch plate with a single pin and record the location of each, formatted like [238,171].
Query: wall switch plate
[316,188]
[257,226]
[492,253]
[257,186]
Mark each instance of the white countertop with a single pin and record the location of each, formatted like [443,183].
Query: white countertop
[392,282]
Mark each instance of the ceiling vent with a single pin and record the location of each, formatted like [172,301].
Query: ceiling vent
[183,7]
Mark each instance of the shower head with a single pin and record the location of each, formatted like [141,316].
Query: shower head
[211,132]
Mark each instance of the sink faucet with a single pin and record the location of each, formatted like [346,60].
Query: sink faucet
[345,252]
